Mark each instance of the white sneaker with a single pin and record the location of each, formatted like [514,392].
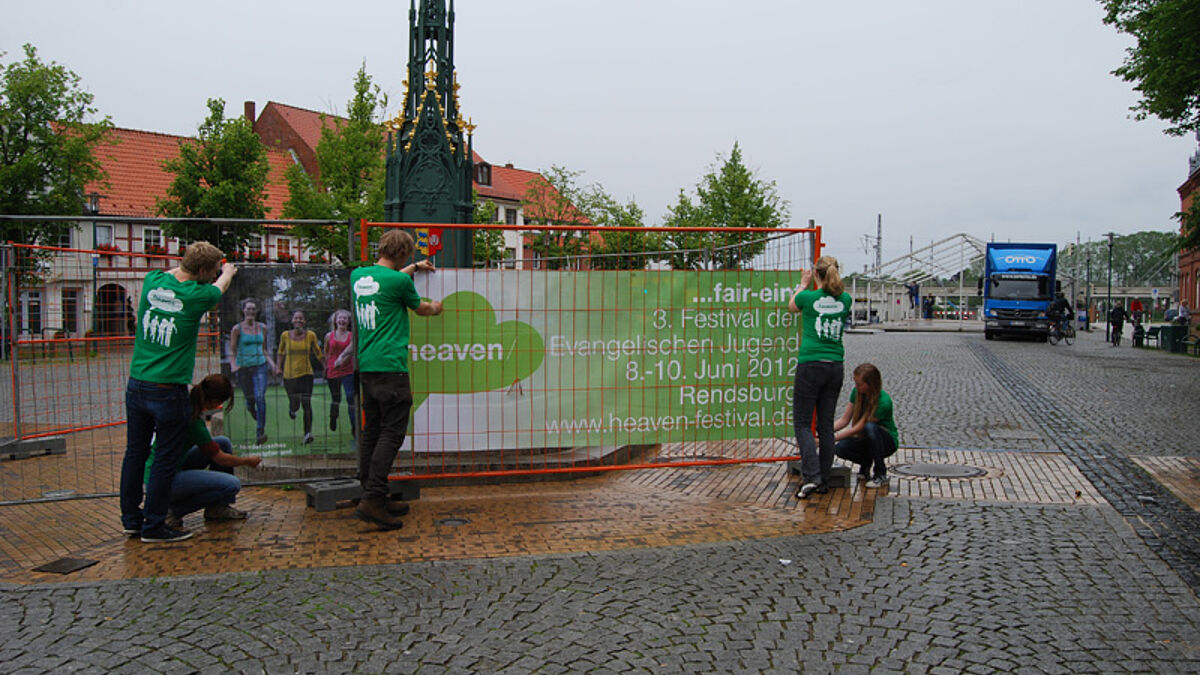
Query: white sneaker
[878,481]
[805,490]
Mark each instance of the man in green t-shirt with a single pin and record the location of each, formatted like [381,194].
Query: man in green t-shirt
[383,294]
[173,302]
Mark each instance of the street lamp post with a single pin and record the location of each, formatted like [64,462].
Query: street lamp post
[92,207]
[1108,304]
[1087,308]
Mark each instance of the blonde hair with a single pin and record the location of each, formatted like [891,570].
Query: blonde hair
[396,245]
[341,312]
[829,277]
[200,256]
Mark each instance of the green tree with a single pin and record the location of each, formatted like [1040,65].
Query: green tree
[1190,220]
[561,200]
[728,196]
[221,174]
[1139,259]
[350,161]
[1164,66]
[47,150]
[488,244]
[555,198]
[621,249]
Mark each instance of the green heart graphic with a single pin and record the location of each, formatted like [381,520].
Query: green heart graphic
[464,350]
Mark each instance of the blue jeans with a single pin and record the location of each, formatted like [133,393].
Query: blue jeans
[817,386]
[161,412]
[201,482]
[253,381]
[868,449]
[345,384]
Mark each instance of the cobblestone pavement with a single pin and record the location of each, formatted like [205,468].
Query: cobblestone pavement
[931,585]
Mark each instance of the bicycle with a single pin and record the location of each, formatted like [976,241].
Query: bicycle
[1061,330]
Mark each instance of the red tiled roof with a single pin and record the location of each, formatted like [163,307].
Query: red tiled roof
[136,177]
[306,123]
[512,184]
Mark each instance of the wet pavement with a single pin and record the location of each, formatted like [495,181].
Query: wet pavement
[1074,549]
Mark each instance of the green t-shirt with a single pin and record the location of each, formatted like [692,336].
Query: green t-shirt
[196,434]
[168,321]
[382,298]
[883,414]
[823,318]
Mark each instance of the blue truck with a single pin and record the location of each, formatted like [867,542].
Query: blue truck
[1018,286]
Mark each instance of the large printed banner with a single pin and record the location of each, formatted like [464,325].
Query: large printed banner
[527,359]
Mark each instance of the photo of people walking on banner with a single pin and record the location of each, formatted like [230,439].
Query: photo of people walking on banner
[276,324]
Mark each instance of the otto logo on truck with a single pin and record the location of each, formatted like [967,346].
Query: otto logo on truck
[1020,259]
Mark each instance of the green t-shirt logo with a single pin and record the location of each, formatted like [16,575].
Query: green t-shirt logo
[826,326]
[157,329]
[365,288]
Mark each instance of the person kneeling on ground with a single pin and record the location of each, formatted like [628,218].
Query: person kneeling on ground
[204,477]
[866,432]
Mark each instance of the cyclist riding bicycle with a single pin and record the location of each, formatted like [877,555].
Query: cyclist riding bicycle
[1060,312]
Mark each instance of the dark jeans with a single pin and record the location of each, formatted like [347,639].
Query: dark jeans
[336,386]
[253,381]
[818,384]
[299,393]
[868,449]
[386,403]
[161,412]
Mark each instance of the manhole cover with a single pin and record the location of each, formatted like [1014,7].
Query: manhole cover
[453,522]
[940,470]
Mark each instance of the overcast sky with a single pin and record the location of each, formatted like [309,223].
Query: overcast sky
[998,118]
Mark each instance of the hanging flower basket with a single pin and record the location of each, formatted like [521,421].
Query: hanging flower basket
[285,257]
[256,256]
[156,249]
[108,248]
[317,259]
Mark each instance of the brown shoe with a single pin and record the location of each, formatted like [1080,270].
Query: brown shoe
[394,507]
[373,509]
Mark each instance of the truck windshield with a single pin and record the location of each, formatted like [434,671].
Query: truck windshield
[1016,288]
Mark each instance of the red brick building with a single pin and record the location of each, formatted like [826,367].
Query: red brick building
[1189,261]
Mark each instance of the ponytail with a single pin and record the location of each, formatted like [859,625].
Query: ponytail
[214,388]
[829,278]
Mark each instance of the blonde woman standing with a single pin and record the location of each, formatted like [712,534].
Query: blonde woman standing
[823,311]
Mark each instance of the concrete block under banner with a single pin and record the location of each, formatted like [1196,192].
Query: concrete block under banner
[32,447]
[839,476]
[329,495]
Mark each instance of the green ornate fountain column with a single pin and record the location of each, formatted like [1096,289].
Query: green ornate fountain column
[429,158]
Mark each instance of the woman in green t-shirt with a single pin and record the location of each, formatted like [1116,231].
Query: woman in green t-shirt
[866,431]
[823,311]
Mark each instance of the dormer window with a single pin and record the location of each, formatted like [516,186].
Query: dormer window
[483,173]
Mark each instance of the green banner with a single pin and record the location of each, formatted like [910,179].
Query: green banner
[526,359]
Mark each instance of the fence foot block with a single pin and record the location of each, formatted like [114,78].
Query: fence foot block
[330,494]
[33,447]
[839,476]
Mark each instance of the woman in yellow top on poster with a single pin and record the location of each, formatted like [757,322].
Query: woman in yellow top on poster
[297,348]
